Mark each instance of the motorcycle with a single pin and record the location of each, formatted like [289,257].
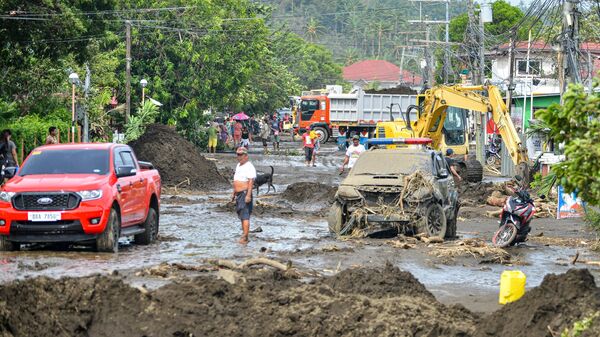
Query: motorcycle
[492,153]
[515,218]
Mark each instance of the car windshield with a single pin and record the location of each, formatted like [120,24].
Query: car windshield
[389,163]
[84,161]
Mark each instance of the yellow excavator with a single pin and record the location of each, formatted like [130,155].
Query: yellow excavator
[441,115]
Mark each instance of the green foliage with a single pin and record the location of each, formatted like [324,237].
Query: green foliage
[136,126]
[592,218]
[31,131]
[504,17]
[581,326]
[576,123]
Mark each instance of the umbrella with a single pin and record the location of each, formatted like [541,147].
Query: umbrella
[241,117]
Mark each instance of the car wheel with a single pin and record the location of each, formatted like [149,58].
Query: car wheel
[108,241]
[151,229]
[335,218]
[6,245]
[434,221]
[322,133]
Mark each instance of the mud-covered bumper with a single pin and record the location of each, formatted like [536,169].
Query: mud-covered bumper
[80,224]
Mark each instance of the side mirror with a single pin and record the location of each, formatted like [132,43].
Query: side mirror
[125,171]
[9,172]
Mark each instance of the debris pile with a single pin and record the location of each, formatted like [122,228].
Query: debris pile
[309,192]
[476,248]
[177,160]
[266,302]
[549,309]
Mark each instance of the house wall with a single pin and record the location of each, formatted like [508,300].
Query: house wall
[547,84]
[539,102]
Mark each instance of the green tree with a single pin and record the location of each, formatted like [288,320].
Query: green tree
[504,17]
[576,123]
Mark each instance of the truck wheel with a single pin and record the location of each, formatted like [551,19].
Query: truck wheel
[434,221]
[108,241]
[335,218]
[151,229]
[474,171]
[7,246]
[322,133]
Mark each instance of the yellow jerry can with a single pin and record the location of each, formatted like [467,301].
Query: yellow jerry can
[512,286]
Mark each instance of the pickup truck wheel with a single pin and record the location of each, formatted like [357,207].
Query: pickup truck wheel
[7,246]
[108,241]
[434,221]
[151,229]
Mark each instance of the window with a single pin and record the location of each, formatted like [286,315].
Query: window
[85,161]
[535,67]
[308,108]
[127,158]
[118,159]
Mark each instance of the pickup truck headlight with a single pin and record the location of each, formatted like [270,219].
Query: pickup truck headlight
[6,196]
[90,195]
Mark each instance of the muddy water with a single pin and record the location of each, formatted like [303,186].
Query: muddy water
[194,227]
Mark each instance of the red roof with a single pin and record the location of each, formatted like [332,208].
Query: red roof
[378,70]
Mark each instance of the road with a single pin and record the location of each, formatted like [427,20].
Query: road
[197,226]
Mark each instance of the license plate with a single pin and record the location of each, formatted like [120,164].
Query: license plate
[43,216]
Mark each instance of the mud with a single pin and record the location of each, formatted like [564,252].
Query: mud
[178,161]
[555,305]
[263,303]
[472,194]
[356,302]
[312,192]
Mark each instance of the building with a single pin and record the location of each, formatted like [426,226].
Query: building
[542,76]
[385,74]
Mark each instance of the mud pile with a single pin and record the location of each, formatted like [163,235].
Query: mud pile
[556,304]
[176,159]
[475,194]
[309,192]
[266,304]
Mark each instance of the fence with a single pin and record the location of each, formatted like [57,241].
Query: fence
[25,146]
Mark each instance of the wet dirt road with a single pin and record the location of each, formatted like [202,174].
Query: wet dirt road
[197,226]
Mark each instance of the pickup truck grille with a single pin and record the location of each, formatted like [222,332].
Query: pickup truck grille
[58,201]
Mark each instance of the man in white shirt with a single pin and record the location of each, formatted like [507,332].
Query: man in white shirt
[243,181]
[352,153]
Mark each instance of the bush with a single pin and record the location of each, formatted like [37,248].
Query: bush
[30,131]
[136,126]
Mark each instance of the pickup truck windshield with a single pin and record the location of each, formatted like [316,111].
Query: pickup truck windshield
[83,161]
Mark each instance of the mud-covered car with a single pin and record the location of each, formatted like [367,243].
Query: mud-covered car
[410,190]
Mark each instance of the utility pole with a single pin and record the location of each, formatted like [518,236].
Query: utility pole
[446,56]
[402,66]
[128,71]
[511,70]
[481,49]
[570,42]
[428,58]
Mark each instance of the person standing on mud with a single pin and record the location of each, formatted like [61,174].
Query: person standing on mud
[237,134]
[264,133]
[243,182]
[246,137]
[309,147]
[212,138]
[275,131]
[352,153]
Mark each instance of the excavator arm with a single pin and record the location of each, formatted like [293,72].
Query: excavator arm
[436,101]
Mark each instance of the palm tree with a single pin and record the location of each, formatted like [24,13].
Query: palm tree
[313,29]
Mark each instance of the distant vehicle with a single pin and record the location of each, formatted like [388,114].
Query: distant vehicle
[376,198]
[326,111]
[85,193]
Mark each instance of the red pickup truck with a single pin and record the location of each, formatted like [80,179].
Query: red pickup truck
[85,193]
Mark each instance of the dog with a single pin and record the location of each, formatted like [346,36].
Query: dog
[265,178]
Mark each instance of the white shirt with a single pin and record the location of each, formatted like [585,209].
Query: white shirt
[353,152]
[244,172]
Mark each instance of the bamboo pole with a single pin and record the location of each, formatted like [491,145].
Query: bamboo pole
[22,152]
[78,134]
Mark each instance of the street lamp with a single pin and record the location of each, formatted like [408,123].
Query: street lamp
[144,83]
[74,79]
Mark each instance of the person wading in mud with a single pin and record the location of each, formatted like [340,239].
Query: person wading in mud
[243,181]
[309,147]
[264,133]
[352,153]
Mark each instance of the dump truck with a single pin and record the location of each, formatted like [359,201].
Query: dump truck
[325,111]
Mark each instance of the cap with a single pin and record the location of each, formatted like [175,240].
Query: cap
[355,137]
[449,152]
[241,150]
